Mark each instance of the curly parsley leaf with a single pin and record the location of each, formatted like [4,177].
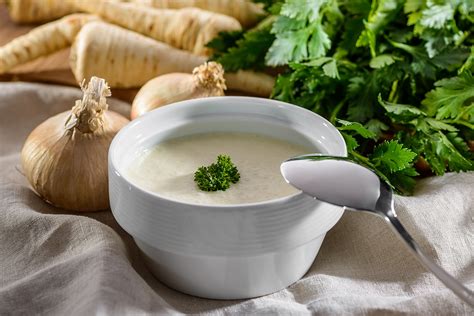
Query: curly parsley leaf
[217,176]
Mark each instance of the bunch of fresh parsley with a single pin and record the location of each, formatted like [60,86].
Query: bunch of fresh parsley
[396,77]
[218,176]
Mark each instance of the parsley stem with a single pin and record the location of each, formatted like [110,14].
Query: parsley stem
[268,21]
[362,159]
[463,37]
[459,122]
[393,97]
[336,110]
[464,112]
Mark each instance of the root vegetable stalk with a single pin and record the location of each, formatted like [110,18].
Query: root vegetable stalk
[128,60]
[189,28]
[41,41]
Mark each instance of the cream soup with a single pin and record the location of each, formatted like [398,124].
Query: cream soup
[168,168]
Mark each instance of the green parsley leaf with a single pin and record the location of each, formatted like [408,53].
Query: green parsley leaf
[450,96]
[223,42]
[403,181]
[443,152]
[358,128]
[381,61]
[377,127]
[392,156]
[329,66]
[247,51]
[436,16]
[217,176]
[302,9]
[299,33]
[351,142]
[413,5]
[319,42]
[401,112]
[439,125]
[330,69]
[381,13]
[271,6]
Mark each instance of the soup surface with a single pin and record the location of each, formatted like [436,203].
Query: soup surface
[168,168]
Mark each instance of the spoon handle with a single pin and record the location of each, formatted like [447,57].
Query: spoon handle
[457,287]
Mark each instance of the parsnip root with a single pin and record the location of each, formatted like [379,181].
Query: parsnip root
[128,60]
[189,28]
[124,58]
[245,11]
[34,11]
[256,83]
[41,41]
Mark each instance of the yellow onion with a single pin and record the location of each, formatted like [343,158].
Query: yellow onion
[206,80]
[65,157]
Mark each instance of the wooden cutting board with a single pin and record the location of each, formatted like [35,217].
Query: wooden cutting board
[51,69]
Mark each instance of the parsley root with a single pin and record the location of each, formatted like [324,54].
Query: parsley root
[127,60]
[245,11]
[41,41]
[33,11]
[188,28]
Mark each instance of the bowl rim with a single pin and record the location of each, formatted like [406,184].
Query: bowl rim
[186,103]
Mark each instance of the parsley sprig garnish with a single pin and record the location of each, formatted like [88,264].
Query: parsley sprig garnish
[218,175]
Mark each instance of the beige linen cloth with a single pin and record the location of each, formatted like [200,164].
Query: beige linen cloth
[54,263]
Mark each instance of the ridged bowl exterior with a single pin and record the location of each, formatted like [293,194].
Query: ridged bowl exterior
[225,252]
[226,277]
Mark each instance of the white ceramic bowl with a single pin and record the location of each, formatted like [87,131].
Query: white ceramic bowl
[223,252]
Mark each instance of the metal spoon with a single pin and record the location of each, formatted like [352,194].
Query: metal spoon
[340,181]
